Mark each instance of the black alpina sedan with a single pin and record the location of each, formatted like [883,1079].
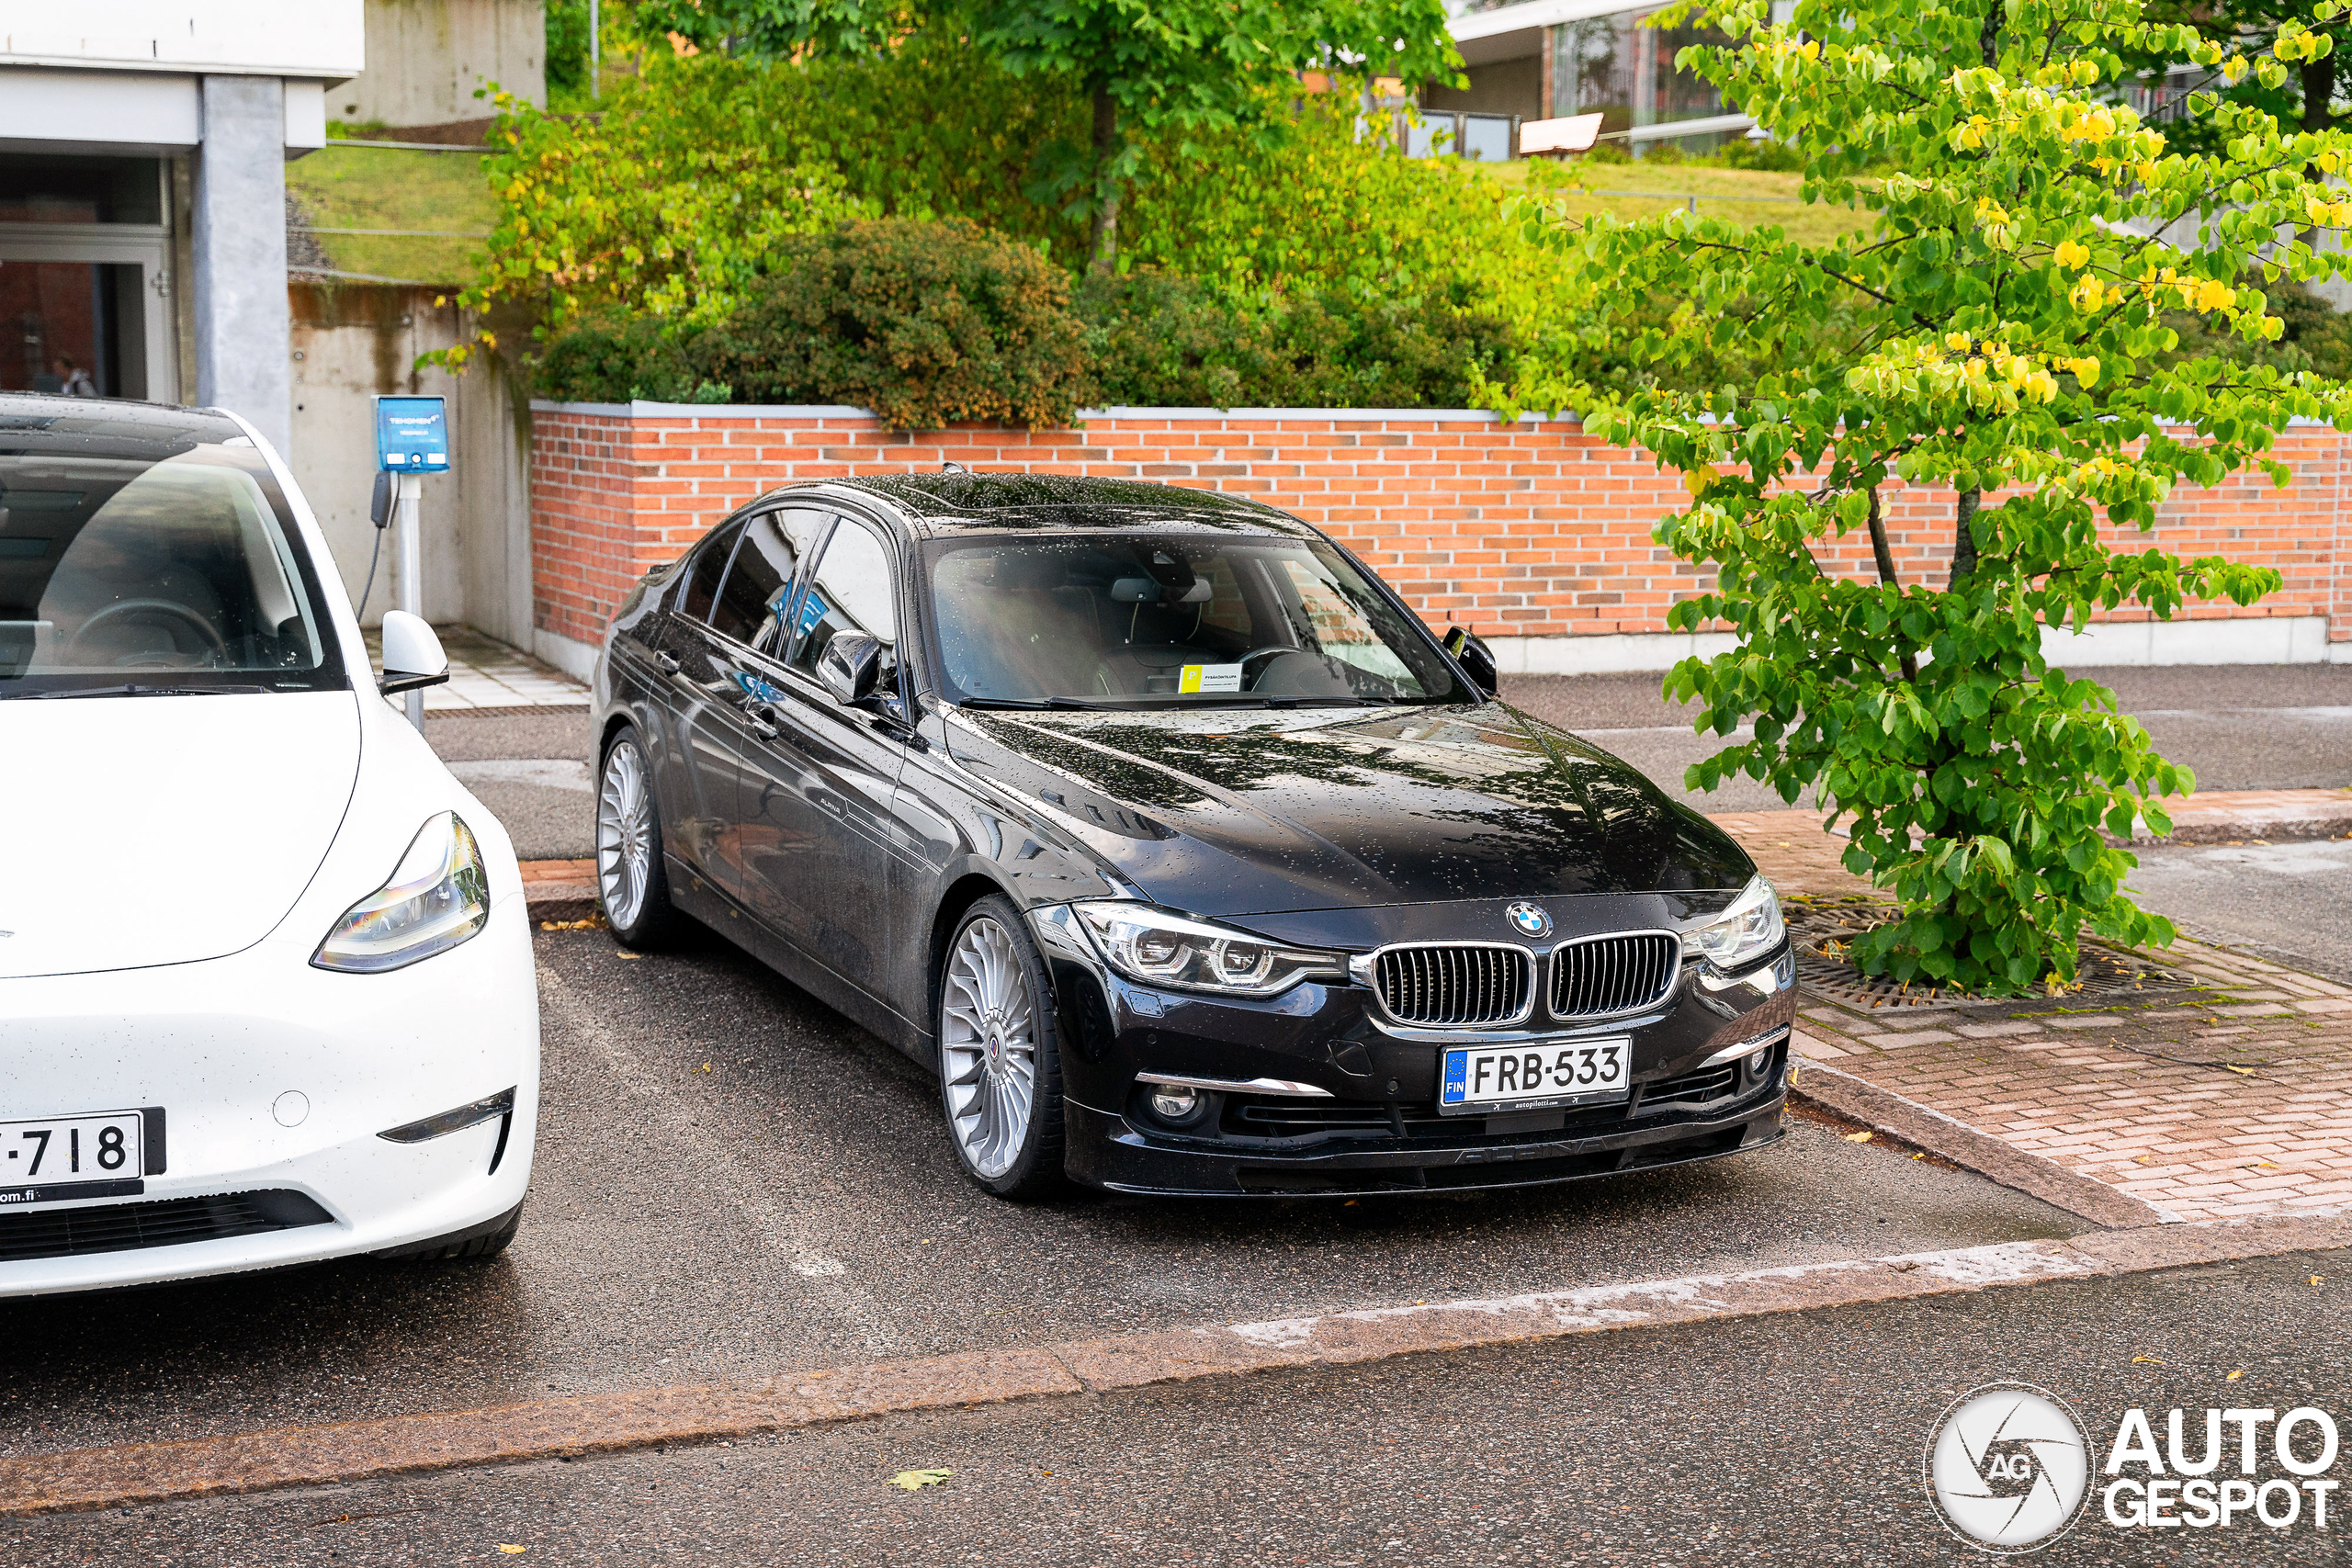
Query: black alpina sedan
[1160,828]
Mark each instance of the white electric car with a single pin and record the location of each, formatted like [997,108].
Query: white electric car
[266,992]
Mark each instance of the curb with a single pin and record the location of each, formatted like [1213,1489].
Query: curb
[1997,1159]
[145,1474]
[559,889]
[2239,830]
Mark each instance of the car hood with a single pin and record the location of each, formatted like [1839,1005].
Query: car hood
[1240,812]
[145,830]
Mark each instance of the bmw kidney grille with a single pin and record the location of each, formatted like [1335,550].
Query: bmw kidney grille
[1458,986]
[1612,975]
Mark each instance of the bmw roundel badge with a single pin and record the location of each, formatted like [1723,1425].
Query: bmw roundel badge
[1528,920]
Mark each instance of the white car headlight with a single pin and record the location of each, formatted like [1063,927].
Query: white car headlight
[1160,947]
[1749,928]
[438,896]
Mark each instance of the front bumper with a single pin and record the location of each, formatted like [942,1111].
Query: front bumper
[1125,1153]
[219,1046]
[1351,1106]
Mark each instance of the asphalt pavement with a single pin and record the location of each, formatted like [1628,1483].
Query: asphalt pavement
[1795,1437]
[734,1182]
[2234,725]
[2291,902]
[534,771]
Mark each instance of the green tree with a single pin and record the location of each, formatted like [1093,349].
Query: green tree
[2002,336]
[1146,70]
[2309,96]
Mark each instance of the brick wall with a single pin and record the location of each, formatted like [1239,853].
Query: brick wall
[1526,530]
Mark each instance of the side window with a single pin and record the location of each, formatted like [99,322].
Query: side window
[849,590]
[709,566]
[751,603]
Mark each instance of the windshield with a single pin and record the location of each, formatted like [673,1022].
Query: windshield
[180,575]
[1173,620]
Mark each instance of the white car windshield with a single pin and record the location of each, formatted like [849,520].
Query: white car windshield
[1173,620]
[184,574]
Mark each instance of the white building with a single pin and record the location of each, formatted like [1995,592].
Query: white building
[143,192]
[1547,58]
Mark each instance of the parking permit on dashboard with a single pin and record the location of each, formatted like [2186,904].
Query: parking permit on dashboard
[1210,678]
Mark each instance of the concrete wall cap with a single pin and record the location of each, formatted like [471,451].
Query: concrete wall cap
[642,409]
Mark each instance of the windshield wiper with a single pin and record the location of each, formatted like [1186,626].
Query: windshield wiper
[137,692]
[1031,702]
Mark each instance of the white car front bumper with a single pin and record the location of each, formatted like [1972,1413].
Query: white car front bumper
[222,1046]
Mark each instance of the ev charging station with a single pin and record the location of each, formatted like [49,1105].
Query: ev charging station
[412,440]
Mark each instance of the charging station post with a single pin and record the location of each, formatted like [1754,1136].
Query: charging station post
[412,440]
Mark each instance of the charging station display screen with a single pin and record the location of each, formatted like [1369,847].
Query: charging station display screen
[412,435]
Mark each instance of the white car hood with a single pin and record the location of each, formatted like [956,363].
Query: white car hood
[145,830]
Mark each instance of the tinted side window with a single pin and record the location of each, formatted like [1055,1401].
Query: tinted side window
[752,598]
[709,566]
[849,591]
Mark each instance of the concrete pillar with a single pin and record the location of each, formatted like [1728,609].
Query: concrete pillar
[244,333]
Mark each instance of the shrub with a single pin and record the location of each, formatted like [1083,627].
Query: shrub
[614,359]
[924,324]
[1160,340]
[1763,152]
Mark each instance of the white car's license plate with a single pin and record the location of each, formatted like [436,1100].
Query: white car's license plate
[1535,1074]
[102,1155]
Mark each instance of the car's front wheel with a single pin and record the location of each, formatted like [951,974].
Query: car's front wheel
[999,1068]
[631,882]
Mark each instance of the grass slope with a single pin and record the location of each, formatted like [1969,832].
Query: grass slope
[1738,195]
[350,184]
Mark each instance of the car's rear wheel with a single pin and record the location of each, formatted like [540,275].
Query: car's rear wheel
[631,882]
[999,1068]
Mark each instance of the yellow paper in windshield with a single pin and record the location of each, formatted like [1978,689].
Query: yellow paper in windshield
[1210,678]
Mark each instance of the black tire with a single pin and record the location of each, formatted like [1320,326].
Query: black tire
[652,919]
[1035,1168]
[485,1240]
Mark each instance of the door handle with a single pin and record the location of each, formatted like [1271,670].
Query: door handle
[669,661]
[759,726]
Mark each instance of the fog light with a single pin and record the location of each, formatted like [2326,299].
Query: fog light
[1172,1102]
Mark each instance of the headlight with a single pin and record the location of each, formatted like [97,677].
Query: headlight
[1163,949]
[438,896]
[1747,929]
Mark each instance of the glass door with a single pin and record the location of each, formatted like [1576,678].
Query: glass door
[85,278]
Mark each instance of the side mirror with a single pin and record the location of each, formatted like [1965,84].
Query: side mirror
[1477,660]
[851,667]
[413,655]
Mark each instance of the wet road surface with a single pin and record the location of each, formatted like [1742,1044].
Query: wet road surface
[732,1182]
[1794,1439]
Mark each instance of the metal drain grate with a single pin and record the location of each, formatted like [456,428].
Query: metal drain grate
[1823,927]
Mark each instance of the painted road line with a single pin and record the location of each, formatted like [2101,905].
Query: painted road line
[145,1474]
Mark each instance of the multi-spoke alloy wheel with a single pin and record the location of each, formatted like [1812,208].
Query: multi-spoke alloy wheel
[628,846]
[995,1055]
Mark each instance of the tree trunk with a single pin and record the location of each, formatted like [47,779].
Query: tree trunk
[1963,541]
[1104,240]
[2319,90]
[1885,554]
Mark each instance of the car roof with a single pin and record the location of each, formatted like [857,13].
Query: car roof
[106,427]
[950,503]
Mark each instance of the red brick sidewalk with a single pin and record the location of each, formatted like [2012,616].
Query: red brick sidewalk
[2231,1095]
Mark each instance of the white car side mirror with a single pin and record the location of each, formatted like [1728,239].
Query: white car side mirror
[413,655]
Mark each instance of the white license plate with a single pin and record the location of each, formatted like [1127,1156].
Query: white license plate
[1557,1072]
[102,1155]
